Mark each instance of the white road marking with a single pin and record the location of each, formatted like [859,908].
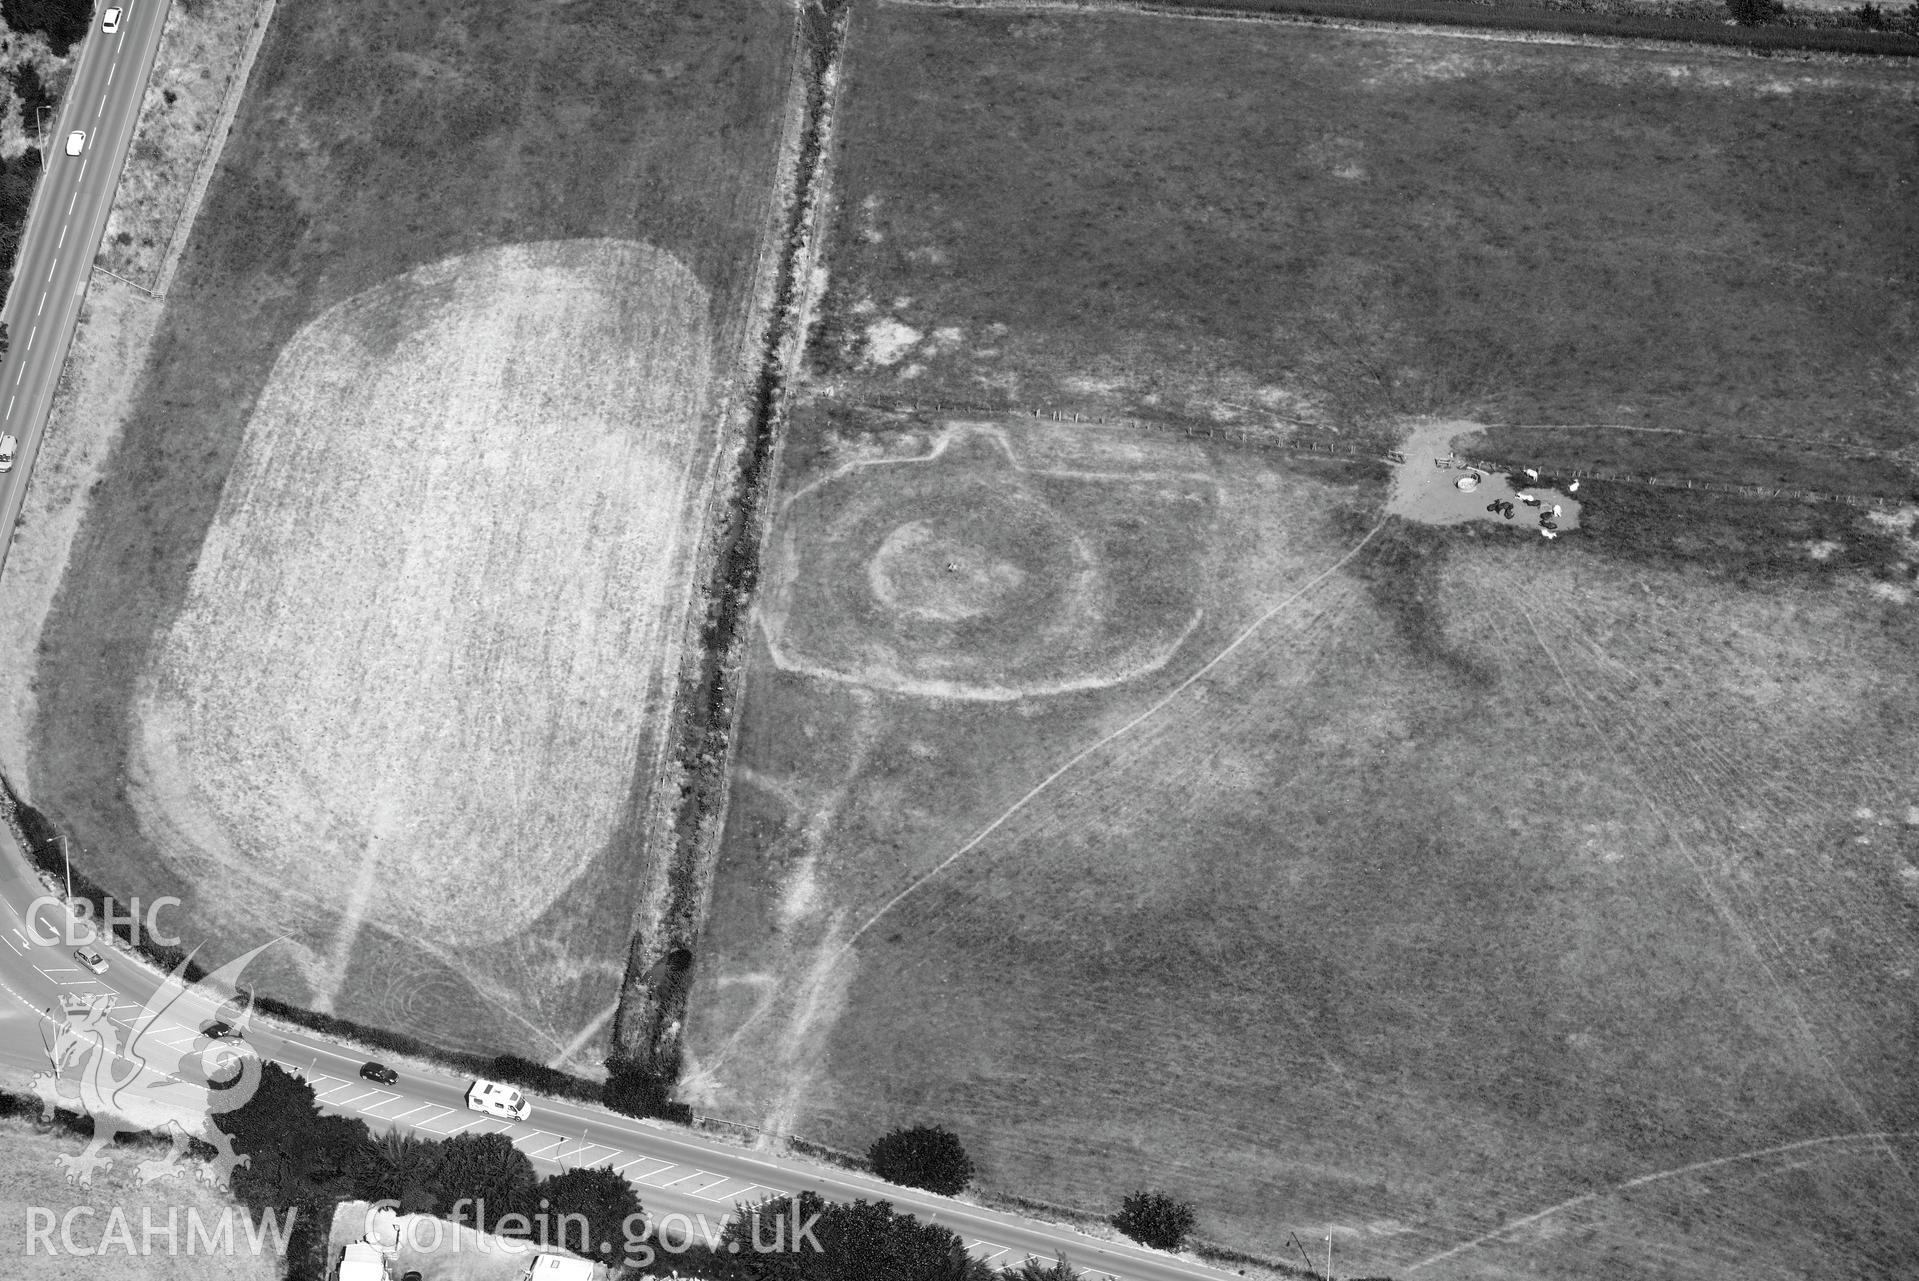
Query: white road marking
[621,1169]
[43,305]
[683,1178]
[557,1141]
[708,1194]
[401,1116]
[580,1158]
[61,245]
[71,202]
[113,67]
[30,339]
[10,943]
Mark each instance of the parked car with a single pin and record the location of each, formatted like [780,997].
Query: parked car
[379,1072]
[91,959]
[498,1100]
[219,1031]
[110,23]
[7,447]
[75,141]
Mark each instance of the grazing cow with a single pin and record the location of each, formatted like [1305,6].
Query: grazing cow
[1494,505]
[1547,533]
[1531,474]
[1573,488]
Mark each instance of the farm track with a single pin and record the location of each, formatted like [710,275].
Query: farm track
[1697,1167]
[1698,777]
[1114,795]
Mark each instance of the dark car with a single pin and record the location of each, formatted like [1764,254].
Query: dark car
[379,1072]
[220,1031]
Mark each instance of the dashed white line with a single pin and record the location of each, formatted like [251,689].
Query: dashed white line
[43,305]
[61,245]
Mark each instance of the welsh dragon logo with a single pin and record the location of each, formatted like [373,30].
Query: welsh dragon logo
[164,1074]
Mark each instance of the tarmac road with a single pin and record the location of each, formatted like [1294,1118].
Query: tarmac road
[64,229]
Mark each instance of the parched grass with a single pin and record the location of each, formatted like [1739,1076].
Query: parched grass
[110,1233]
[1518,893]
[374,141]
[427,640]
[1343,226]
[965,565]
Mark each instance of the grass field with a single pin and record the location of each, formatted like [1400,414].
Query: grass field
[1480,876]
[1237,220]
[1497,907]
[109,1235]
[489,457]
[378,591]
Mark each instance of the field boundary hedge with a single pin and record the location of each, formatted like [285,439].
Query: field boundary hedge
[1762,40]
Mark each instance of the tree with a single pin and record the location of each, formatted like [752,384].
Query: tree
[605,1200]
[1752,13]
[1155,1219]
[923,1157]
[1034,1270]
[487,1172]
[399,1167]
[865,1241]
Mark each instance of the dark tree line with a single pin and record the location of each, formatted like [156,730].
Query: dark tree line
[302,1161]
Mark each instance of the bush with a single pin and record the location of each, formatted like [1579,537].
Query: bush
[923,1157]
[635,1091]
[63,22]
[1155,1219]
[1752,13]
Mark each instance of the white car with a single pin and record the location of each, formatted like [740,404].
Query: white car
[75,141]
[497,1100]
[111,22]
[7,447]
[91,959]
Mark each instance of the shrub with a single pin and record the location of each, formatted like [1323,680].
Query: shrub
[1155,1219]
[1752,13]
[635,1091]
[63,22]
[923,1157]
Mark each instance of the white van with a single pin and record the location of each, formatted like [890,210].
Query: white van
[7,447]
[497,1100]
